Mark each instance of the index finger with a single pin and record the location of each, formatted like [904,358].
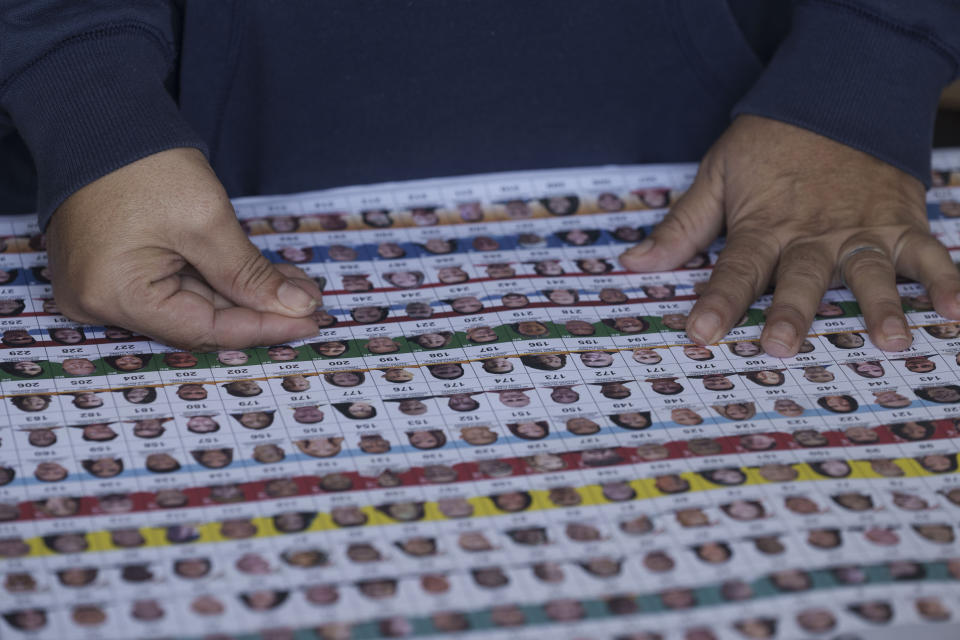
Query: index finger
[743,270]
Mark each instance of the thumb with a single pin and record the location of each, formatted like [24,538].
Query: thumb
[236,269]
[693,222]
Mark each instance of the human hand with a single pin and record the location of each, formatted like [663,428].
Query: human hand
[155,247]
[803,211]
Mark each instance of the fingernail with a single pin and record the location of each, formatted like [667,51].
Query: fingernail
[294,298]
[781,335]
[705,327]
[893,330]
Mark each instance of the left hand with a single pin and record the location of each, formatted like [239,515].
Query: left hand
[803,211]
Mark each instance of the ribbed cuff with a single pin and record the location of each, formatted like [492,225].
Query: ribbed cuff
[93,105]
[854,77]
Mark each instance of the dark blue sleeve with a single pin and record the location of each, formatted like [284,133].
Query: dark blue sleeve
[83,83]
[867,73]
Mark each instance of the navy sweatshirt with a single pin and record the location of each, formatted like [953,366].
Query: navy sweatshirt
[294,95]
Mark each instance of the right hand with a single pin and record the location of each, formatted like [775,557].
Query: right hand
[155,247]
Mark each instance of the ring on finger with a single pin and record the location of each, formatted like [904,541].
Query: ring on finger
[845,258]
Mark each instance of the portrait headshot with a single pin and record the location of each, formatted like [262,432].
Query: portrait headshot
[938,463]
[320,447]
[330,349]
[561,205]
[831,468]
[596,359]
[295,383]
[390,251]
[377,218]
[139,395]
[614,390]
[498,271]
[594,266]
[941,394]
[466,305]
[471,211]
[23,369]
[355,282]
[913,431]
[745,348]
[919,364]
[103,467]
[433,340]
[766,377]
[728,477]
[611,202]
[404,279]
[213,458]
[544,361]
[627,324]
[890,399]
[562,296]
[582,426]
[852,340]
[484,243]
[548,268]
[632,420]
[31,403]
[481,335]
[478,436]
[297,255]
[838,403]
[96,432]
[129,362]
[243,388]
[161,463]
[256,420]
[180,360]
[446,370]
[947,331]
[867,369]
[17,338]
[737,411]
[345,379]
[818,374]
[579,328]
[368,315]
[578,237]
[534,430]
[697,353]
[374,444]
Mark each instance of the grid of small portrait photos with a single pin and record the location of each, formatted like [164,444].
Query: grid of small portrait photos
[496,431]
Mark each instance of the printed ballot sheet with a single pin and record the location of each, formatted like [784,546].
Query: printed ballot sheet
[496,431]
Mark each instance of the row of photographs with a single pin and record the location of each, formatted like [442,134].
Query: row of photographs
[691,449]
[844,599]
[777,494]
[452,437]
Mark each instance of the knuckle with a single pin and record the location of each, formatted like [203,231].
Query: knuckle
[805,267]
[681,223]
[868,266]
[882,306]
[781,308]
[724,302]
[291,271]
[735,274]
[254,272]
